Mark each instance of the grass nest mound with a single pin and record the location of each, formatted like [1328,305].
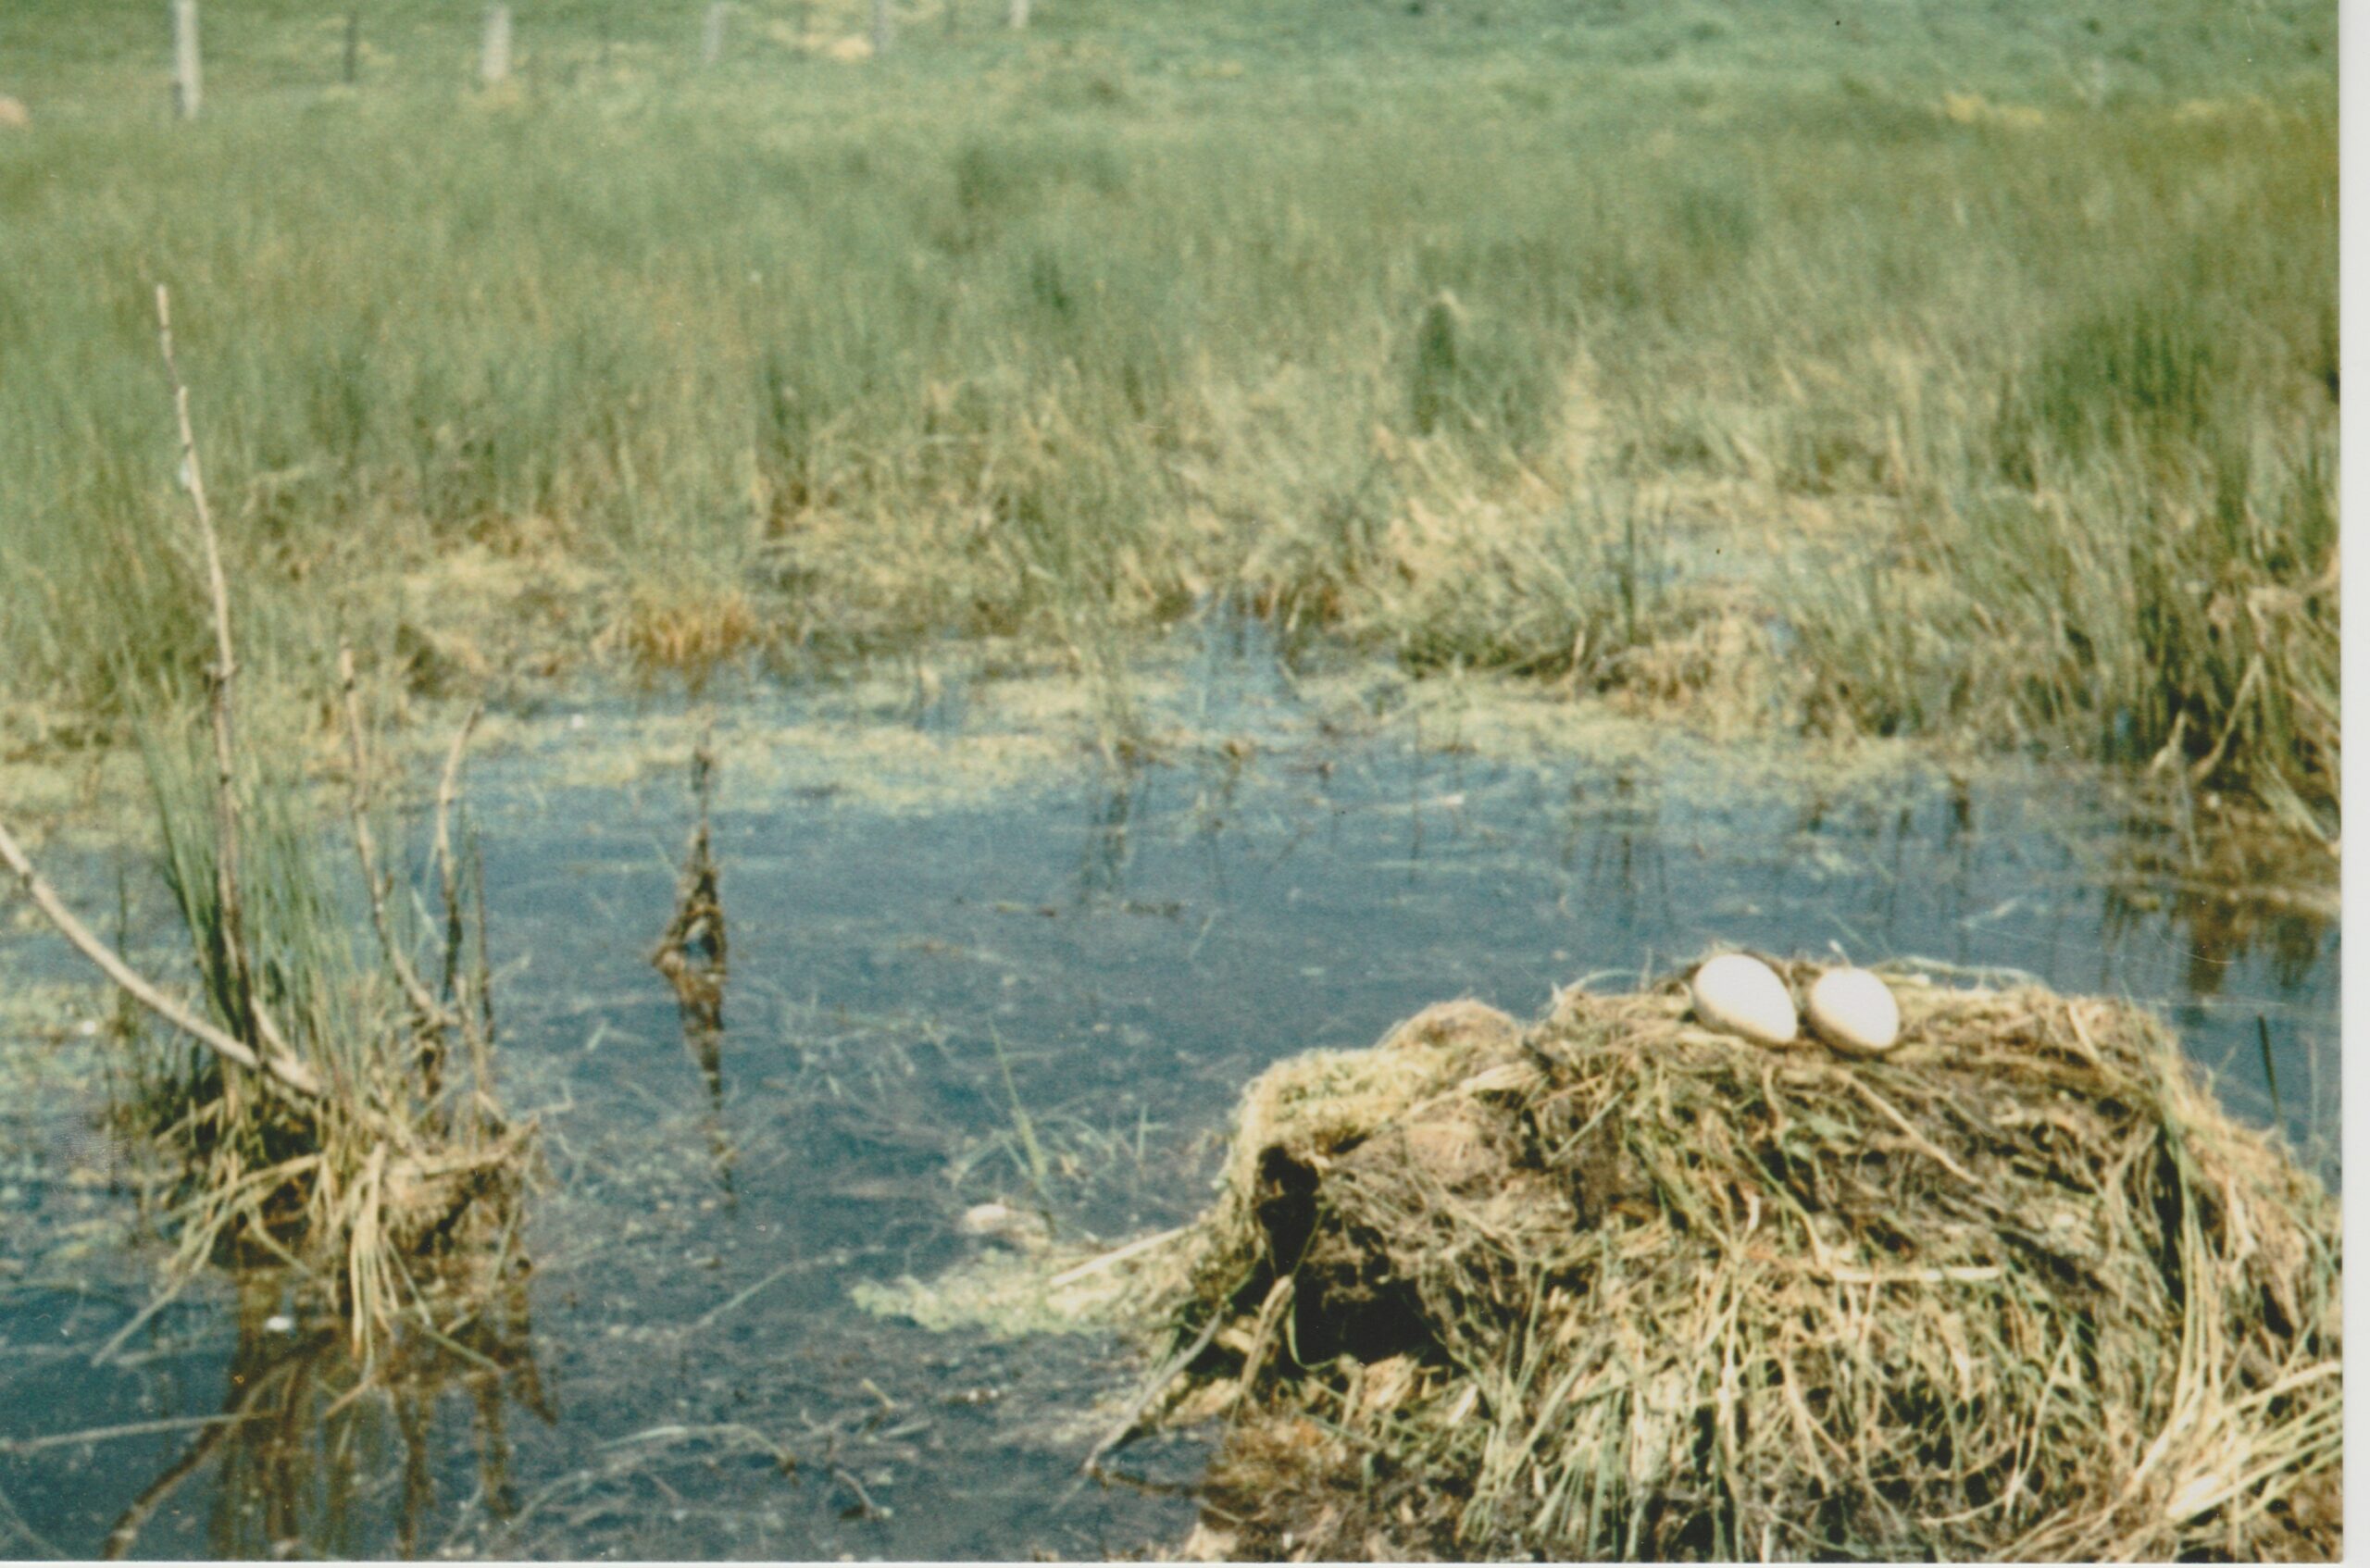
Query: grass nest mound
[1618,1285]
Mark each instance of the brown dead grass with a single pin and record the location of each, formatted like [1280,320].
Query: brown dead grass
[1615,1285]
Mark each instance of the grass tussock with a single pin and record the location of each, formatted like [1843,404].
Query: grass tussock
[394,1190]
[1615,1286]
[687,633]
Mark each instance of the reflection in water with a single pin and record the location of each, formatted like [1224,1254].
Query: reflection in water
[692,954]
[296,1448]
[2220,930]
[1103,863]
[2228,897]
[1626,859]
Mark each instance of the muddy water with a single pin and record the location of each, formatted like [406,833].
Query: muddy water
[1090,960]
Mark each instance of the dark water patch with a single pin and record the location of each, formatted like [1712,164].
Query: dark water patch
[1048,994]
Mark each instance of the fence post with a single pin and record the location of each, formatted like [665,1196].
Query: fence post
[712,33]
[352,45]
[880,39]
[1018,17]
[187,87]
[494,56]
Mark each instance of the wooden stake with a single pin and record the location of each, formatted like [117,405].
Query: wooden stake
[352,45]
[187,87]
[880,34]
[712,33]
[494,54]
[1018,17]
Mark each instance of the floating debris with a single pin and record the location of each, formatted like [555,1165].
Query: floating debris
[1001,1222]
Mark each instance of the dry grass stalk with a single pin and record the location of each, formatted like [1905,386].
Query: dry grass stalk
[427,1012]
[692,954]
[240,1006]
[1615,1285]
[693,941]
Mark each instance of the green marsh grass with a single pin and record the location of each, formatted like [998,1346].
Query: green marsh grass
[1058,338]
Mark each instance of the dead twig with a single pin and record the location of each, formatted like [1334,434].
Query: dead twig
[1149,1395]
[424,1003]
[866,1507]
[447,867]
[109,1434]
[1115,1257]
[282,1069]
[239,1004]
[252,1040]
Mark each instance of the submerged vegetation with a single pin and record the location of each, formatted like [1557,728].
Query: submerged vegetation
[1713,359]
[1616,1285]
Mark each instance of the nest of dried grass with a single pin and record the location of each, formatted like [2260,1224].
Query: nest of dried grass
[1616,1286]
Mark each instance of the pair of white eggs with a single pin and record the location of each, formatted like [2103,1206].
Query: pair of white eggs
[1850,1009]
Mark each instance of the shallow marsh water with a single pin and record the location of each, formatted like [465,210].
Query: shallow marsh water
[929,976]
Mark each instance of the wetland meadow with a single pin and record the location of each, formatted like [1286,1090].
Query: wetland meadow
[724,729]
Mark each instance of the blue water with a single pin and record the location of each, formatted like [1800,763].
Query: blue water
[1132,946]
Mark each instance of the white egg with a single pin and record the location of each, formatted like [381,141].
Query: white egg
[1853,1011]
[1743,996]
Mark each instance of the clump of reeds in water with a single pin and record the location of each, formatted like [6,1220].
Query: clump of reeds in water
[403,1160]
[330,1111]
[1616,1286]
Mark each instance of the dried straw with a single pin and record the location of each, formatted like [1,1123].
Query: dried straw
[1618,1285]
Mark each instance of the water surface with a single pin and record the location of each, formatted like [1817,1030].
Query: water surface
[1110,953]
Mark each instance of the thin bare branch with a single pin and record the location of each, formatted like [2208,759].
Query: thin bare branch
[366,849]
[448,868]
[282,1068]
[240,1003]
[108,1434]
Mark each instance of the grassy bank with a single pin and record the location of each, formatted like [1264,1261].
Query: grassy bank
[1932,378]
